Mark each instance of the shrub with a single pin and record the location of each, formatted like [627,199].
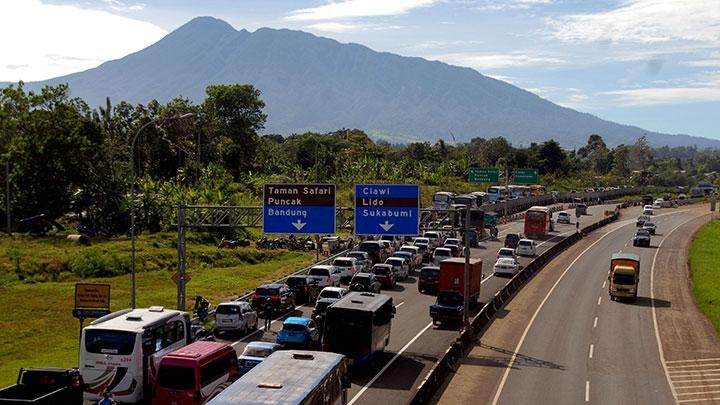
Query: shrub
[96,263]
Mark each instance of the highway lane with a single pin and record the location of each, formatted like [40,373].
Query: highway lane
[415,345]
[592,349]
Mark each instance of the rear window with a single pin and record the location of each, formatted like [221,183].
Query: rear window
[319,272]
[109,341]
[267,292]
[256,351]
[381,270]
[394,262]
[358,256]
[293,327]
[296,281]
[330,294]
[408,250]
[369,247]
[512,237]
[442,252]
[342,263]
[525,243]
[429,272]
[228,309]
[176,377]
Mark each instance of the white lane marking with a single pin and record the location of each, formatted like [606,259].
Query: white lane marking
[676,373]
[685,378]
[604,283]
[595,322]
[691,360]
[399,305]
[592,348]
[599,300]
[712,364]
[362,391]
[537,311]
[697,386]
[700,400]
[699,393]
[587,391]
[693,380]
[654,312]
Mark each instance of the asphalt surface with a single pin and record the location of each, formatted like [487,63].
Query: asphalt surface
[563,341]
[415,344]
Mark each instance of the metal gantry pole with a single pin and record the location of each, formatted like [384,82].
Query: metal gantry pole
[181,257]
[7,196]
[466,287]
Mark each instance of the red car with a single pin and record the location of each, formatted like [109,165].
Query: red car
[385,274]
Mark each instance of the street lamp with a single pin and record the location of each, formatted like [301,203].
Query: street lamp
[132,191]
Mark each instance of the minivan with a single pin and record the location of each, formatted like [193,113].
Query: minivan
[235,316]
[374,249]
[194,373]
[428,279]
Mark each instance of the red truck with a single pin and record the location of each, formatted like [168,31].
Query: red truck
[450,303]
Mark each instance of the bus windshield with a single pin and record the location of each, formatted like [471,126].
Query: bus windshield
[109,341]
[535,216]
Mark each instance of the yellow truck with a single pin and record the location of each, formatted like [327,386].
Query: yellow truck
[624,276]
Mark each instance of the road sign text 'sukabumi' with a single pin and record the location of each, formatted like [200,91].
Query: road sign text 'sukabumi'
[387,209]
[299,208]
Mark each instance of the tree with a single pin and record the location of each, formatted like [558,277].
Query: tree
[596,154]
[551,157]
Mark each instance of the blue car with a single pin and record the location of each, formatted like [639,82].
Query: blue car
[300,332]
[254,353]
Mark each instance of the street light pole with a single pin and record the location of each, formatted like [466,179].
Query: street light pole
[132,195]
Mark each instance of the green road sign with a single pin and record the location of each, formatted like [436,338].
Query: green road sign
[483,175]
[525,176]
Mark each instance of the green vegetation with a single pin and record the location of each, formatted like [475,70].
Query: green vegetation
[37,324]
[703,269]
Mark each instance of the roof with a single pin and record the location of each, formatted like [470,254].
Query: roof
[346,258]
[263,345]
[362,301]
[539,208]
[322,266]
[199,349]
[473,260]
[338,289]
[297,320]
[272,285]
[625,256]
[133,319]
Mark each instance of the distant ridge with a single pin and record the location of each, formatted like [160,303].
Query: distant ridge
[317,84]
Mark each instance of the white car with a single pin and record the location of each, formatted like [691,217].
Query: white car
[422,240]
[333,292]
[506,265]
[415,251]
[348,266]
[436,239]
[507,252]
[400,266]
[453,241]
[235,316]
[648,210]
[362,259]
[327,276]
[410,257]
[658,203]
[563,217]
[526,247]
[440,254]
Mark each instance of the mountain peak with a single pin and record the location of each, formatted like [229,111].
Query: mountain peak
[206,25]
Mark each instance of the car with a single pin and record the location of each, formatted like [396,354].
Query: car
[506,252]
[235,316]
[300,332]
[333,292]
[580,209]
[440,254]
[650,227]
[365,282]
[410,257]
[400,266]
[428,279]
[375,250]
[421,240]
[385,274]
[417,255]
[682,197]
[320,309]
[300,285]
[563,217]
[641,220]
[389,247]
[348,267]
[276,297]
[648,210]
[657,204]
[512,239]
[526,247]
[392,239]
[325,275]
[254,354]
[641,238]
[435,237]
[362,259]
[453,241]
[506,265]
[454,249]
[425,252]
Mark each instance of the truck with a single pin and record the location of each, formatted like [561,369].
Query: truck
[449,306]
[44,386]
[624,276]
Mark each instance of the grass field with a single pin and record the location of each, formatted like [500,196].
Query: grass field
[704,271]
[37,325]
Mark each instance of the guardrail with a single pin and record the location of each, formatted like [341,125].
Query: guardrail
[448,360]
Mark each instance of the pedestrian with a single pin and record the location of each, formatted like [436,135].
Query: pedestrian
[107,399]
[267,314]
[577,225]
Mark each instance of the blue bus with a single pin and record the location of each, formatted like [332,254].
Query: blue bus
[291,377]
[358,326]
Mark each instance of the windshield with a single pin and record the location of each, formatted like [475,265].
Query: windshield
[625,279]
[228,309]
[441,198]
[176,377]
[450,298]
[109,341]
[256,351]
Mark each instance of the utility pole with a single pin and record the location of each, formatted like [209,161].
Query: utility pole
[7,196]
[466,287]
[507,187]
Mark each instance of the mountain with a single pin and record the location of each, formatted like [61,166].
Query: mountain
[317,84]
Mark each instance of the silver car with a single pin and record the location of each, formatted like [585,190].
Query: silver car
[235,316]
[400,267]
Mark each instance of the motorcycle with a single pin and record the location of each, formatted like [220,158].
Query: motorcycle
[202,308]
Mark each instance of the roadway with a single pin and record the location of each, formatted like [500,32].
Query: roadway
[415,344]
[561,340]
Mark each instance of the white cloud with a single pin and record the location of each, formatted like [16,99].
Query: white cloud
[644,21]
[357,8]
[664,95]
[46,41]
[121,6]
[490,61]
[338,27]
[442,44]
[503,5]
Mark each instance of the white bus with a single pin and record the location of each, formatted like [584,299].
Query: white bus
[120,352]
[495,193]
[442,200]
[291,377]
[519,191]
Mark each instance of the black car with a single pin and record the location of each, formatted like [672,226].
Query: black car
[276,297]
[300,285]
[374,249]
[512,239]
[365,282]
[641,238]
[428,279]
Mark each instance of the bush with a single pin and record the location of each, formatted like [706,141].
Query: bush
[96,263]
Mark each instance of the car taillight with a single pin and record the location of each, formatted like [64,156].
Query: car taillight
[255,297]
[329,280]
[275,298]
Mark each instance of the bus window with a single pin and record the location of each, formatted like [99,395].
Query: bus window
[109,342]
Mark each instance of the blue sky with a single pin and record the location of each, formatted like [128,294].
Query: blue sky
[650,63]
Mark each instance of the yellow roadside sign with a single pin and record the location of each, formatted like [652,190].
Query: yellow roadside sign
[92,295]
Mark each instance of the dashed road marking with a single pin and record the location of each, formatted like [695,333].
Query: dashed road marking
[592,348]
[595,322]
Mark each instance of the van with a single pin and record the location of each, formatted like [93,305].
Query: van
[195,373]
[235,316]
[374,249]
